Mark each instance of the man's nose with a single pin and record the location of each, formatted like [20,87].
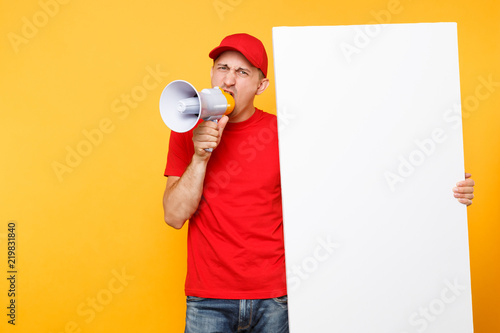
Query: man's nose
[229,78]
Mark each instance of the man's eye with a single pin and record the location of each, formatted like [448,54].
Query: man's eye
[242,72]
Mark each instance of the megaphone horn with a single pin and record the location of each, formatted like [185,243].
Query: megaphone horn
[181,106]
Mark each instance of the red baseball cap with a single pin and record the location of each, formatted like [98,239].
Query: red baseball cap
[248,45]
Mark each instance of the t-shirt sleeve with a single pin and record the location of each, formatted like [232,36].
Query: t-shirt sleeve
[180,152]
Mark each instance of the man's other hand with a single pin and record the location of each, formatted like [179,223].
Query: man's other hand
[464,191]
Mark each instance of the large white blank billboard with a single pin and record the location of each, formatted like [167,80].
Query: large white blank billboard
[370,132]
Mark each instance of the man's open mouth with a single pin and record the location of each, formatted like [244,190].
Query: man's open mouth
[229,92]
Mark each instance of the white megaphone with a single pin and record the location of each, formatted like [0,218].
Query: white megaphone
[181,106]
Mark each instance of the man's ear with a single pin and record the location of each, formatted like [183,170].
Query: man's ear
[264,83]
[211,73]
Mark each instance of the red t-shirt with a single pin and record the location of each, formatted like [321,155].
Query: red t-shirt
[235,238]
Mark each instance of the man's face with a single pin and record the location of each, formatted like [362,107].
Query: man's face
[233,73]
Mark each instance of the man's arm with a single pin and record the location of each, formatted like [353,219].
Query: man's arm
[464,191]
[183,194]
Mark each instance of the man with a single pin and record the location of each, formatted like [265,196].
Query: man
[232,196]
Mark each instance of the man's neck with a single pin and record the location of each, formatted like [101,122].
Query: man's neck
[243,115]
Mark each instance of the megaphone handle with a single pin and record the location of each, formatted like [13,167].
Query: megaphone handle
[211,149]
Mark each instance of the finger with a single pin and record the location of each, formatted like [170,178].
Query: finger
[466,183]
[222,124]
[204,138]
[469,196]
[209,135]
[208,125]
[467,175]
[466,202]
[466,189]
[206,128]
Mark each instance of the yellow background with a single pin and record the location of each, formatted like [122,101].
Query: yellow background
[93,252]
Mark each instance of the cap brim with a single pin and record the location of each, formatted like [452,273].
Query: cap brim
[215,53]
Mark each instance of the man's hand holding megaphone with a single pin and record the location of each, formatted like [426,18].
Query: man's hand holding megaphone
[208,135]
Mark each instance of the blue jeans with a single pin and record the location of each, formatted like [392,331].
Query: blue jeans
[209,315]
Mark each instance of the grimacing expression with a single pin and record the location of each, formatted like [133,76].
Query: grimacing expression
[233,73]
